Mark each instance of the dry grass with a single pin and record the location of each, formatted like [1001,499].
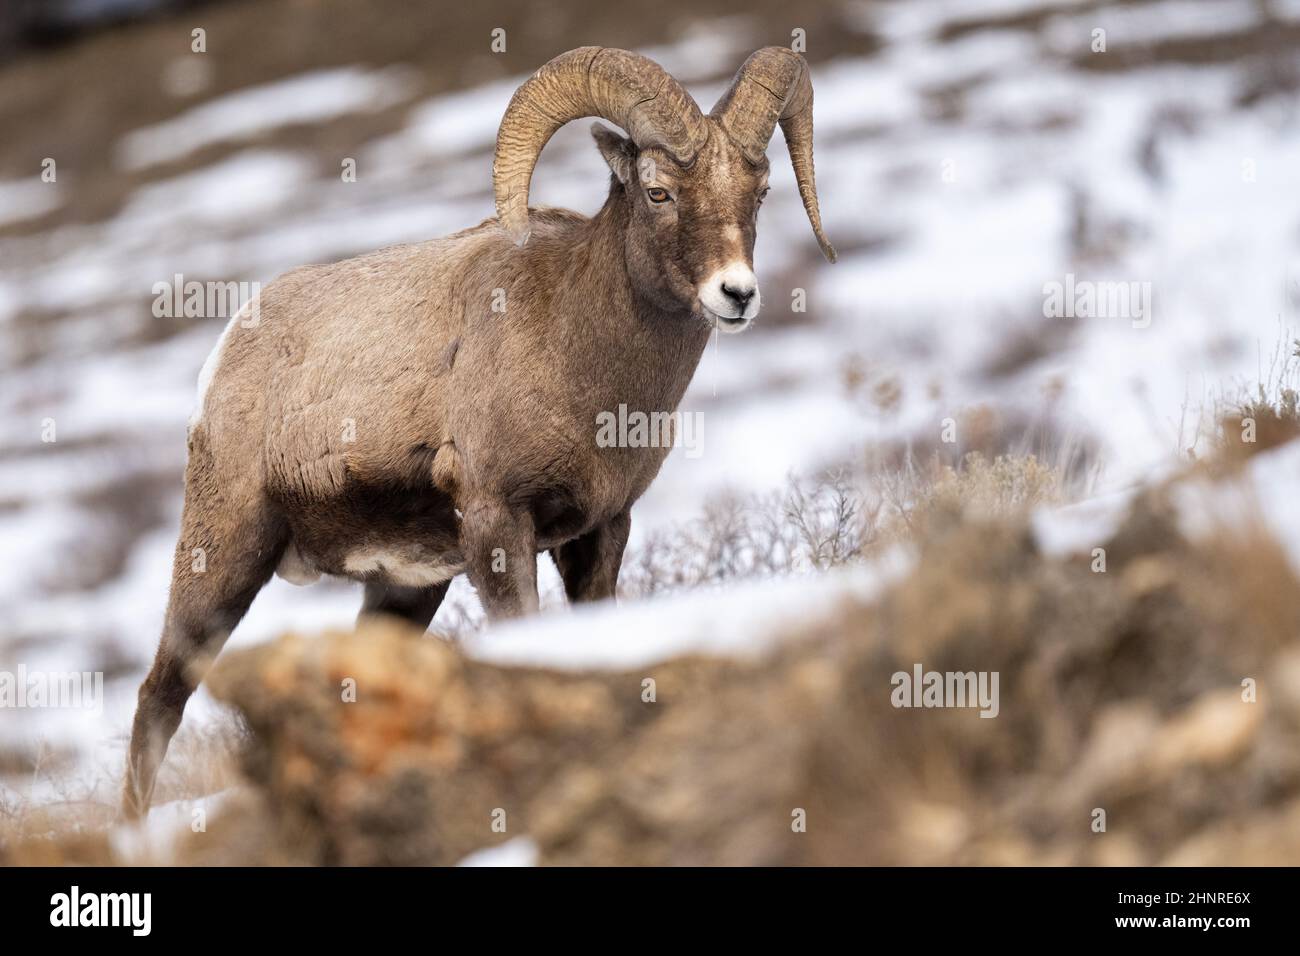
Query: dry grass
[1264,416]
[977,488]
[1274,408]
[59,813]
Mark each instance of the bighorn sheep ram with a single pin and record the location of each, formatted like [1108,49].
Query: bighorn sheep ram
[382,422]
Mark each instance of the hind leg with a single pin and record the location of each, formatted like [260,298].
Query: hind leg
[228,549]
[589,565]
[414,605]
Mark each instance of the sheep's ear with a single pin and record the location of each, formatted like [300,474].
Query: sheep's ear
[619,151]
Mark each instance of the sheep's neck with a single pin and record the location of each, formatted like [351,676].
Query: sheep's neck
[653,351]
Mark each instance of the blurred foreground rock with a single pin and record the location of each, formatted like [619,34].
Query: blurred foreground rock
[1119,692]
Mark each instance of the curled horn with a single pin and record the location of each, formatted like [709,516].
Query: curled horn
[772,87]
[624,88]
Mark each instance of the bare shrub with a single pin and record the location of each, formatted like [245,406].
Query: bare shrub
[811,525]
[819,523]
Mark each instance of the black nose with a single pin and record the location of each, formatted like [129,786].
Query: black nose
[739,296]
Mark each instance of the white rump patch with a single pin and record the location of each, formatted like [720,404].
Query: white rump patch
[209,369]
[400,569]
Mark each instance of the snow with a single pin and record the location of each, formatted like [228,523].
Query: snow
[22,199]
[455,123]
[742,619]
[519,851]
[248,184]
[1162,21]
[900,21]
[152,841]
[1262,497]
[310,98]
[1082,526]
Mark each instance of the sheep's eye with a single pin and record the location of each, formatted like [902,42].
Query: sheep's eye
[657,194]
[763,193]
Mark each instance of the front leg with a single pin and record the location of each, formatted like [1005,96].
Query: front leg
[500,547]
[589,564]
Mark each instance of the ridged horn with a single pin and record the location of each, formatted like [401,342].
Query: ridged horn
[622,87]
[772,87]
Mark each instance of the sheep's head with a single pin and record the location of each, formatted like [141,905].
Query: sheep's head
[692,184]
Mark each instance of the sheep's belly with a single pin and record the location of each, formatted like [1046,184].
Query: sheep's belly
[398,568]
[415,567]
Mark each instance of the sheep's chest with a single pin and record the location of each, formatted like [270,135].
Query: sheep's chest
[569,501]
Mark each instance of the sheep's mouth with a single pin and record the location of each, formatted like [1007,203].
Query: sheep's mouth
[727,323]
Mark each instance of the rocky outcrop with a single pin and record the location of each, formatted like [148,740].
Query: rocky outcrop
[1123,731]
